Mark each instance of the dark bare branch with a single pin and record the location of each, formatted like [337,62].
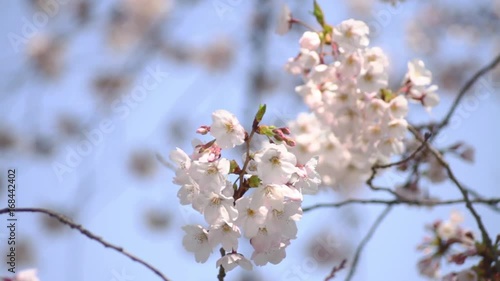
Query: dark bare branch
[64,220]
[422,203]
[365,240]
[465,89]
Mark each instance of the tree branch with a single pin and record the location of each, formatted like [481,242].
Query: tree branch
[375,168]
[464,90]
[222,272]
[64,220]
[491,202]
[468,203]
[336,269]
[365,240]
[479,196]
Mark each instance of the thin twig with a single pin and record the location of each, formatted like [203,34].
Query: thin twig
[336,269]
[87,233]
[304,24]
[376,167]
[222,272]
[365,240]
[477,195]
[465,89]
[404,160]
[463,190]
[429,203]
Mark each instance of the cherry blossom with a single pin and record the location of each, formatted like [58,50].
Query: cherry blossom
[284,20]
[250,219]
[226,129]
[275,164]
[230,261]
[264,202]
[310,40]
[196,241]
[355,121]
[226,234]
[351,34]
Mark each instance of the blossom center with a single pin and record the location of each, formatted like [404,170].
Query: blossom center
[229,127]
[250,212]
[275,160]
[201,238]
[215,201]
[212,170]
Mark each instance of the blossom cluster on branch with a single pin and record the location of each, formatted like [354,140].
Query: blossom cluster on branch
[355,120]
[261,198]
[451,242]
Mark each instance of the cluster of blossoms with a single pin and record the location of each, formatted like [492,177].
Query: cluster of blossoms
[260,200]
[449,240]
[25,275]
[355,121]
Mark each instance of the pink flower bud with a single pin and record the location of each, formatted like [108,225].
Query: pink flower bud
[203,130]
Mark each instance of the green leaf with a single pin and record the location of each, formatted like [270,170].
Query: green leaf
[387,95]
[266,130]
[328,29]
[260,113]
[259,116]
[318,13]
[254,181]
[234,167]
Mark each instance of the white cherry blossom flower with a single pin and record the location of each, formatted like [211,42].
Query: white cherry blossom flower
[179,157]
[188,193]
[269,195]
[226,129]
[226,234]
[284,20]
[306,60]
[196,241]
[217,207]
[398,107]
[230,261]
[284,221]
[397,128]
[431,99]
[308,178]
[391,146]
[418,74]
[350,65]
[376,55]
[250,219]
[268,248]
[275,164]
[310,40]
[210,175]
[372,79]
[376,108]
[351,34]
